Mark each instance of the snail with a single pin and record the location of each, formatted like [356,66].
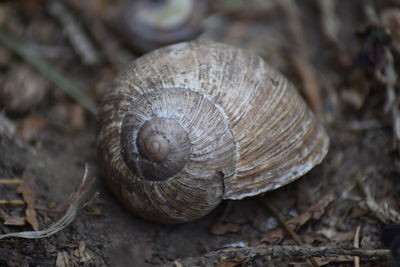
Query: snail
[150,24]
[189,125]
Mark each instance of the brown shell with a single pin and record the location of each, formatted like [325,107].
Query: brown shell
[249,131]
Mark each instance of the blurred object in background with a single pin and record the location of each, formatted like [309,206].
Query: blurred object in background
[254,25]
[391,20]
[22,89]
[244,9]
[149,24]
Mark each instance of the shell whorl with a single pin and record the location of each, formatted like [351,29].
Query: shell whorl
[195,133]
[157,150]
[189,125]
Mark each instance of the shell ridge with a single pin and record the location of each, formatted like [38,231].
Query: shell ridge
[204,87]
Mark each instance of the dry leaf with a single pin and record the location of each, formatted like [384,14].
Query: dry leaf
[231,262]
[223,228]
[28,191]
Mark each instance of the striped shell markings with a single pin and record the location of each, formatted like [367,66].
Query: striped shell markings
[189,125]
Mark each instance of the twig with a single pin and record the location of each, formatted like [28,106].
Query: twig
[213,257]
[11,202]
[10,181]
[357,245]
[290,230]
[48,71]
[74,32]
[283,223]
[300,57]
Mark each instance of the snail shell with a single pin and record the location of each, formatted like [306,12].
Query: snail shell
[147,25]
[192,124]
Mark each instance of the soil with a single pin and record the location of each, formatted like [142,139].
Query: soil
[362,149]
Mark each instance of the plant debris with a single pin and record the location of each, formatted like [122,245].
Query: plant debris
[313,213]
[74,203]
[28,191]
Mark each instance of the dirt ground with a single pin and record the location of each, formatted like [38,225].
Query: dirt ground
[344,56]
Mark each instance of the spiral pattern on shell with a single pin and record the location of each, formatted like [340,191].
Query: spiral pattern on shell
[189,125]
